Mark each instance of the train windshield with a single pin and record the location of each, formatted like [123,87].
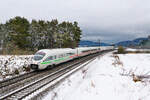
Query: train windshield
[39,56]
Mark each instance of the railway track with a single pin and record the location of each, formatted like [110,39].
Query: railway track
[38,95]
[20,87]
[16,79]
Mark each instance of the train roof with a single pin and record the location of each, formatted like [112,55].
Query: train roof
[86,48]
[54,51]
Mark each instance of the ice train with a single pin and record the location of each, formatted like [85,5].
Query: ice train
[50,57]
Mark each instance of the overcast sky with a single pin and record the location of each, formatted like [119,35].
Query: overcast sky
[108,20]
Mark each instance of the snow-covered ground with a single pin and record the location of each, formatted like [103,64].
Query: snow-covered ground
[111,77]
[14,65]
[130,49]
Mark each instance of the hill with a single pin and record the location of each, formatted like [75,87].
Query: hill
[91,43]
[134,42]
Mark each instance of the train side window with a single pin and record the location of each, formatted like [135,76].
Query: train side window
[49,58]
[60,55]
[70,53]
[55,57]
[67,54]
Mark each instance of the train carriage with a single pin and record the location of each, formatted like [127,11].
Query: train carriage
[50,57]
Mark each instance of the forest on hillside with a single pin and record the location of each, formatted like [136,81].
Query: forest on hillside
[19,35]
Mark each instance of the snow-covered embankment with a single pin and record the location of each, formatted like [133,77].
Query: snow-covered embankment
[110,77]
[14,65]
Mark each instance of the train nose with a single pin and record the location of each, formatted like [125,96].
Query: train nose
[34,66]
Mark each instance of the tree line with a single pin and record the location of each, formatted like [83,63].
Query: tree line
[19,33]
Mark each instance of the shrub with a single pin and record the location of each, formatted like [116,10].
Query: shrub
[16,71]
[27,69]
[121,50]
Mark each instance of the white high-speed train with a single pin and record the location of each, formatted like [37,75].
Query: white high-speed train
[50,57]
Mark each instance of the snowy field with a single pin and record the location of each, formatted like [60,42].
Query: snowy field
[14,65]
[130,49]
[110,77]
